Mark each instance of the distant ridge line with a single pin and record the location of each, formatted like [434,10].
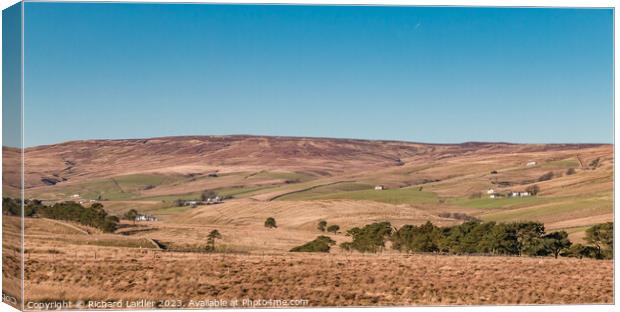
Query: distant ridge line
[276,137]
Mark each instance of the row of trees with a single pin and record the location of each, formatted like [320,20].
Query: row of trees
[473,237]
[94,215]
[12,206]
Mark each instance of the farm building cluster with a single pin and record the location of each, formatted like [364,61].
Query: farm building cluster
[142,217]
[78,199]
[493,194]
[208,201]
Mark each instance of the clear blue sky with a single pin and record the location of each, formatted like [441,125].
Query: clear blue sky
[402,73]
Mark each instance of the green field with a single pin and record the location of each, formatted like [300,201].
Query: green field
[495,203]
[575,207]
[281,175]
[116,188]
[172,197]
[327,190]
[390,196]
[239,192]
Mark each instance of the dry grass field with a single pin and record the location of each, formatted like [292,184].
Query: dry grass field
[300,181]
[322,280]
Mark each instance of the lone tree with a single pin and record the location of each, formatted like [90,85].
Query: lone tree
[334,228]
[570,171]
[533,189]
[131,215]
[270,223]
[215,234]
[557,242]
[321,226]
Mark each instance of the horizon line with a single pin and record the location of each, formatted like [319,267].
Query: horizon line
[309,137]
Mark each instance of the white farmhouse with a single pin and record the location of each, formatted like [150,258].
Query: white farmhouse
[145,218]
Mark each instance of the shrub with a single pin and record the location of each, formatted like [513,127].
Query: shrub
[546,177]
[347,246]
[458,216]
[595,163]
[334,228]
[270,223]
[320,244]
[570,171]
[579,251]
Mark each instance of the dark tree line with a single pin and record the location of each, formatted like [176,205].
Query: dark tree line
[12,206]
[474,237]
[370,238]
[94,215]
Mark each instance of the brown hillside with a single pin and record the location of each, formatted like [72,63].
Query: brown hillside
[83,160]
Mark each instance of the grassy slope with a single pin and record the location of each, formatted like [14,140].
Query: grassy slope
[392,196]
[558,209]
[563,199]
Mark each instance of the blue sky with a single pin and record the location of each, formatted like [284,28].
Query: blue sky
[426,74]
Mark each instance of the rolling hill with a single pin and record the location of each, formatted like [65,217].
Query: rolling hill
[295,172]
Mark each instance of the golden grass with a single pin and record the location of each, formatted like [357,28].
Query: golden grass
[323,280]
